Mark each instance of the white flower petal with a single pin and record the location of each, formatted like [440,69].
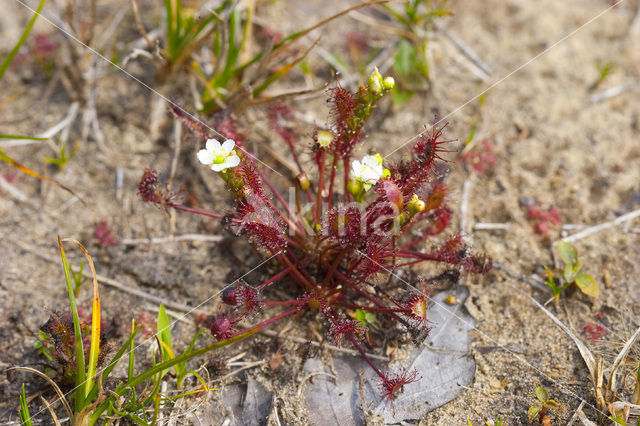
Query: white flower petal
[213,145]
[370,160]
[356,168]
[227,146]
[205,156]
[218,167]
[232,161]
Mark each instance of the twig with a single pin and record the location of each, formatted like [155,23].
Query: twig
[52,131]
[177,138]
[107,35]
[597,228]
[53,384]
[586,354]
[144,295]
[464,48]
[575,414]
[487,226]
[13,191]
[51,412]
[143,32]
[520,277]
[172,239]
[310,375]
[111,282]
[583,418]
[612,92]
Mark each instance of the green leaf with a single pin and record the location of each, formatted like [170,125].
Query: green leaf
[552,403]
[164,335]
[619,421]
[542,394]
[7,61]
[25,417]
[568,252]
[147,374]
[20,137]
[533,413]
[405,60]
[588,285]
[568,273]
[550,282]
[79,395]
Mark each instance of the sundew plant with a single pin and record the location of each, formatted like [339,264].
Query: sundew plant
[348,225]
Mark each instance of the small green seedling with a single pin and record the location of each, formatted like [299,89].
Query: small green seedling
[620,420]
[496,422]
[540,411]
[410,59]
[571,274]
[365,317]
[62,156]
[78,277]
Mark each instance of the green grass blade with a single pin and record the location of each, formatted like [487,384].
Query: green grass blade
[25,417]
[79,400]
[293,37]
[164,335]
[170,33]
[7,61]
[27,171]
[120,390]
[107,371]
[20,137]
[233,51]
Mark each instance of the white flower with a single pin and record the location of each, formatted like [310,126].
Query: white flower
[369,171]
[220,157]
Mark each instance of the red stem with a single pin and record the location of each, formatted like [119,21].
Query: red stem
[356,345]
[332,179]
[268,322]
[297,276]
[345,161]
[284,303]
[273,279]
[320,187]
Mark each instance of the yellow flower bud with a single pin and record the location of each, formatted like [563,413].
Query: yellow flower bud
[303,181]
[375,82]
[415,205]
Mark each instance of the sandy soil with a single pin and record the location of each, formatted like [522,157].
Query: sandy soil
[555,140]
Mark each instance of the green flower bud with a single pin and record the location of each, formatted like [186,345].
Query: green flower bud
[375,82]
[356,188]
[415,205]
[388,83]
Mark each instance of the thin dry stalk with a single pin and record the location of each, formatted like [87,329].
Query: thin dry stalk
[51,412]
[602,226]
[53,384]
